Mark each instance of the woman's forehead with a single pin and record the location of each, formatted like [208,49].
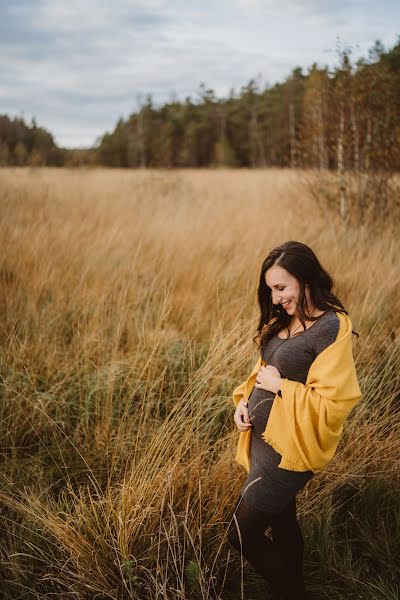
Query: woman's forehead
[277,275]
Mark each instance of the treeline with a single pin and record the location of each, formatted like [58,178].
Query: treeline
[347,119]
[22,144]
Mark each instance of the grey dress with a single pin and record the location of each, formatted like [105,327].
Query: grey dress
[292,357]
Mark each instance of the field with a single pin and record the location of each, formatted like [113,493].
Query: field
[128,306]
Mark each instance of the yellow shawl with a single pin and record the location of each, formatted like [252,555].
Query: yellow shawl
[306,424]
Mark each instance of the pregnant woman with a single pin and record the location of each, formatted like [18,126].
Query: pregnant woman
[290,411]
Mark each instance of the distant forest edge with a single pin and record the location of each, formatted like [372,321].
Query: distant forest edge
[325,119]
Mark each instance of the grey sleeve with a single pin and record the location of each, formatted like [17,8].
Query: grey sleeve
[325,335]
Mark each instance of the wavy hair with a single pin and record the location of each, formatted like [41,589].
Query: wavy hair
[301,262]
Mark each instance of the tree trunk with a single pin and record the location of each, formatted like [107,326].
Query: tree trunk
[292,129]
[368,145]
[321,137]
[356,142]
[340,171]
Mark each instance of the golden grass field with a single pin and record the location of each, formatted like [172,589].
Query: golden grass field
[128,308]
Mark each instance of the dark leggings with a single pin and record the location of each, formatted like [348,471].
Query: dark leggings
[279,561]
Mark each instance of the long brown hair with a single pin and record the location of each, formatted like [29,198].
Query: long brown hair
[301,262]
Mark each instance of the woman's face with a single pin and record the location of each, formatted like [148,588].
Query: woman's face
[285,289]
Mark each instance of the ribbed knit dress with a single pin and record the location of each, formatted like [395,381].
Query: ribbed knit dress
[268,487]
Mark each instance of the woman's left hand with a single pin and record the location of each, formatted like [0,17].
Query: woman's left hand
[268,378]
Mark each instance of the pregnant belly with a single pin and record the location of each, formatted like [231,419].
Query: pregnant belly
[260,404]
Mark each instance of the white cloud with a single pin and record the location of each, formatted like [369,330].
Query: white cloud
[78,66]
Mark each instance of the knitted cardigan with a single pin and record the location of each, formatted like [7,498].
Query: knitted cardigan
[306,424]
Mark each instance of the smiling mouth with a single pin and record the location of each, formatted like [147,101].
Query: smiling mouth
[285,304]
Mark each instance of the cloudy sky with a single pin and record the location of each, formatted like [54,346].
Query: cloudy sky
[78,65]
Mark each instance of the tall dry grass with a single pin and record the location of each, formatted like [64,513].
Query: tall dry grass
[128,307]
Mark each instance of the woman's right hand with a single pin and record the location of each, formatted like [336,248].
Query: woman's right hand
[241,416]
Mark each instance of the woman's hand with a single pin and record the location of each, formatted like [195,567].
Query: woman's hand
[241,416]
[269,379]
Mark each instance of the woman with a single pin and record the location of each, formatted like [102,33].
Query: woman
[291,410]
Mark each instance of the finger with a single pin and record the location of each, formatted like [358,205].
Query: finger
[245,406]
[243,417]
[245,427]
[242,425]
[239,422]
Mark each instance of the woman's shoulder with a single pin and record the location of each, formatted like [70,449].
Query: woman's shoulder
[324,331]
[329,316]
